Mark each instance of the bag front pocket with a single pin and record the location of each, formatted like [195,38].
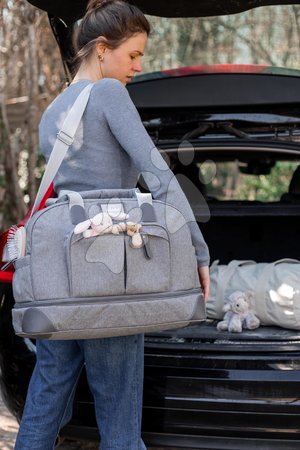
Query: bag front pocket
[148,267]
[96,265]
[22,285]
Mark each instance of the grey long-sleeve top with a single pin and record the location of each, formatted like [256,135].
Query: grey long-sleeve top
[111,149]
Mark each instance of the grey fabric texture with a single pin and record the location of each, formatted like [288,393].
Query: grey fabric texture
[110,318]
[94,284]
[275,287]
[22,280]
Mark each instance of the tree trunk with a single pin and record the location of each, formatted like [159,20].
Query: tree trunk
[11,195]
[13,198]
[32,123]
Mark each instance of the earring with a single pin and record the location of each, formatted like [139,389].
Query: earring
[100,57]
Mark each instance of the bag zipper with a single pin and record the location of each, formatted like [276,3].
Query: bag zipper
[117,299]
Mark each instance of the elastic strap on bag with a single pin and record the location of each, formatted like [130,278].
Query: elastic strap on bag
[146,205]
[143,197]
[76,206]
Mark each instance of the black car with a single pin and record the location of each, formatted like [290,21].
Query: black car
[225,112]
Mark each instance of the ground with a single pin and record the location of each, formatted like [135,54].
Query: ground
[9,428]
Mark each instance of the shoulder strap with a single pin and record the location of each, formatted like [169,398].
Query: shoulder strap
[65,138]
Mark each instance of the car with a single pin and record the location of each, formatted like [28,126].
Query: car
[227,120]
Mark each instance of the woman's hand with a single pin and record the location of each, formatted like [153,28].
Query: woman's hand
[203,273]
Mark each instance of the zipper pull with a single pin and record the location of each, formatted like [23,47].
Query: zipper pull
[146,247]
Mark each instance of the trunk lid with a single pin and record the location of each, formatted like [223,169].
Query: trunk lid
[69,12]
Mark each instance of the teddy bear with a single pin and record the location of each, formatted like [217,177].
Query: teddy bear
[133,230]
[238,313]
[99,224]
[102,223]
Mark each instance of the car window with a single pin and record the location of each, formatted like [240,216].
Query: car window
[268,36]
[236,180]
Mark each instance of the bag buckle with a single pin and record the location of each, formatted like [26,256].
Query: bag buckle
[65,138]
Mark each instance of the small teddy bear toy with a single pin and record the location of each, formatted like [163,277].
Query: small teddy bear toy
[133,230]
[238,314]
[102,223]
[99,224]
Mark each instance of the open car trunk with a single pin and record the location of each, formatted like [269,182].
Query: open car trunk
[219,390]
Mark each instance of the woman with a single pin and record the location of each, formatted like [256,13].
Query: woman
[110,40]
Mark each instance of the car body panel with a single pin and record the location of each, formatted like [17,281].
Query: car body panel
[166,8]
[206,390]
[216,68]
[211,90]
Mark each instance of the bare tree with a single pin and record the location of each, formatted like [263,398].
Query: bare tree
[31,17]
[12,196]
[31,75]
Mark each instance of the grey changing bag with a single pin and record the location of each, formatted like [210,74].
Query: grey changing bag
[69,286]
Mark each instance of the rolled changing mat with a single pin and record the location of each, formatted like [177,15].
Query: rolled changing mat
[276,289]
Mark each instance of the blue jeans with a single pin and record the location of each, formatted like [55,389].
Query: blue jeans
[114,368]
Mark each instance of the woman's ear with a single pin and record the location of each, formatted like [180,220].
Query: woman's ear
[101,45]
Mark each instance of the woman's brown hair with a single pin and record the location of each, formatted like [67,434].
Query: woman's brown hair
[114,20]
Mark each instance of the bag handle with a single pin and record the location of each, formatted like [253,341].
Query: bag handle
[65,138]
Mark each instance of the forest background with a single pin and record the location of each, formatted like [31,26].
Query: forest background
[32,74]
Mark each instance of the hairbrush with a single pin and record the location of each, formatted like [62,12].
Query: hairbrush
[16,244]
